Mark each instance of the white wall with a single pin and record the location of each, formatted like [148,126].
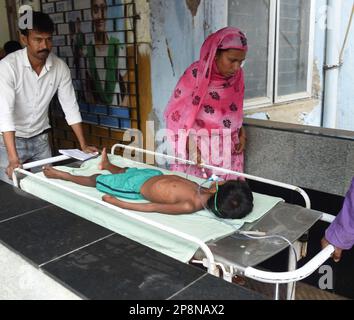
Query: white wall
[176,35]
[4,27]
[345,116]
[178,30]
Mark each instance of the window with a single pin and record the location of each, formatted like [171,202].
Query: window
[280,59]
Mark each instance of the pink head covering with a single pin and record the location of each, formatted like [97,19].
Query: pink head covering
[192,89]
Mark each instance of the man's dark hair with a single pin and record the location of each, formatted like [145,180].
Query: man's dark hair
[12,46]
[234,200]
[93,1]
[41,23]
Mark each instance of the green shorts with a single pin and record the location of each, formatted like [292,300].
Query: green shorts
[126,185]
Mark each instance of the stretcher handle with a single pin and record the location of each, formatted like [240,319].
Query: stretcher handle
[291,276]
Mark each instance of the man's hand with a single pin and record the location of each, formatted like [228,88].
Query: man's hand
[77,128]
[89,149]
[337,255]
[13,164]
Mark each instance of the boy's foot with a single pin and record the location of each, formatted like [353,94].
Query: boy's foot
[52,173]
[104,164]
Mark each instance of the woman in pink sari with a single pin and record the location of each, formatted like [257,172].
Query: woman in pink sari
[207,106]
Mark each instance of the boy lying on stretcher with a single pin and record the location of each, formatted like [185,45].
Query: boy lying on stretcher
[168,194]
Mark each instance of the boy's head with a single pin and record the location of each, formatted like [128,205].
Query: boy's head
[233,200]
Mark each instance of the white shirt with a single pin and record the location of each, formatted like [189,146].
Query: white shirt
[25,96]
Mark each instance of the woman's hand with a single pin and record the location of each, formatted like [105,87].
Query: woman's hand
[199,158]
[241,146]
[194,152]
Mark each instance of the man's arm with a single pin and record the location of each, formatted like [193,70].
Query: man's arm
[173,209]
[12,156]
[7,122]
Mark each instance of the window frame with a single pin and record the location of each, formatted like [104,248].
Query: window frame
[254,103]
[308,92]
[272,97]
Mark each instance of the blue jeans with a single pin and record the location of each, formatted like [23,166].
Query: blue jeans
[28,150]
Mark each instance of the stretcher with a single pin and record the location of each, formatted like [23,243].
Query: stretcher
[236,253]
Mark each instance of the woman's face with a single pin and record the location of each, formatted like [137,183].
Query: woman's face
[99,14]
[229,61]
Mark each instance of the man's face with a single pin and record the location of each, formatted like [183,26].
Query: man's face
[39,44]
[99,14]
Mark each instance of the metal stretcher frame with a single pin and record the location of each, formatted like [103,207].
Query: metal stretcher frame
[208,260]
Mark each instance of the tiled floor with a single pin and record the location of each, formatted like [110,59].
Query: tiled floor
[53,232]
[307,292]
[126,269]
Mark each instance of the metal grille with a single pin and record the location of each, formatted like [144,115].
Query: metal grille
[97,40]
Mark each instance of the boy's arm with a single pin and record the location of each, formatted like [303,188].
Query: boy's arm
[175,208]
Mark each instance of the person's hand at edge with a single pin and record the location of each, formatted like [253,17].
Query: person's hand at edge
[337,254]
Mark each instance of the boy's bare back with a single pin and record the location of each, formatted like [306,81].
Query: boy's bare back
[170,189]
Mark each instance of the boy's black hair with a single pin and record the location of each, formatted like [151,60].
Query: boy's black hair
[12,46]
[41,23]
[234,200]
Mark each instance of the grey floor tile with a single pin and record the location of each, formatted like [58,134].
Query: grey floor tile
[213,288]
[14,202]
[119,268]
[49,233]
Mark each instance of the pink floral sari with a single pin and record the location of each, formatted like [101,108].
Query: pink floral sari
[212,105]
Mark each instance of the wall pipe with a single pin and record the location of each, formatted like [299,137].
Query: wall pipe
[332,63]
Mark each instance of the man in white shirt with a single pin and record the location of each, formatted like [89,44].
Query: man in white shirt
[29,78]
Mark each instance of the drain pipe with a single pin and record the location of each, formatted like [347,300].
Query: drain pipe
[332,63]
